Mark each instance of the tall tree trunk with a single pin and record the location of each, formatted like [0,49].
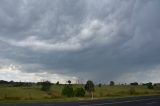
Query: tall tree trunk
[92,94]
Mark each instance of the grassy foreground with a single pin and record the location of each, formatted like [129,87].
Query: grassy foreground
[34,93]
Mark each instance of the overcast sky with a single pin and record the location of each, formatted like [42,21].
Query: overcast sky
[100,40]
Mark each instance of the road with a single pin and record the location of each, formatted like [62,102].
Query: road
[131,101]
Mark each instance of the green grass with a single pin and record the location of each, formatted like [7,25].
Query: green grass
[119,91]
[34,93]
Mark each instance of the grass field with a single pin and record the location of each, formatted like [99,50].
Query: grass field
[34,93]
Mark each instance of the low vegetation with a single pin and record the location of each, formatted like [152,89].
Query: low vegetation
[56,92]
[79,92]
[46,85]
[68,91]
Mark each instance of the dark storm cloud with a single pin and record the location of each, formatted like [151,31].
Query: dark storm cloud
[103,39]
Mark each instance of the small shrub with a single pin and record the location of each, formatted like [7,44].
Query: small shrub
[99,85]
[46,85]
[79,92]
[68,91]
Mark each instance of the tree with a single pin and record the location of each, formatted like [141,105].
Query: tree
[111,83]
[89,87]
[57,83]
[149,85]
[46,85]
[69,82]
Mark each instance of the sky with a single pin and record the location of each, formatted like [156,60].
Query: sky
[99,40]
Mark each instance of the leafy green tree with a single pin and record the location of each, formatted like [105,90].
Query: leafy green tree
[46,85]
[69,82]
[79,92]
[112,83]
[57,83]
[89,87]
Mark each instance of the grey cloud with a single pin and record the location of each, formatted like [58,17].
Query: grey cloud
[103,39]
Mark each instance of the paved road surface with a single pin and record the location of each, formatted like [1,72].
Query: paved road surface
[131,101]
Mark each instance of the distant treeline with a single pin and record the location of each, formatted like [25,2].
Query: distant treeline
[14,83]
[149,83]
[21,83]
[18,84]
[112,83]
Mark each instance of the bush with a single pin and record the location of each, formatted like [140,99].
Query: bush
[79,92]
[68,91]
[46,85]
[99,85]
[149,85]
